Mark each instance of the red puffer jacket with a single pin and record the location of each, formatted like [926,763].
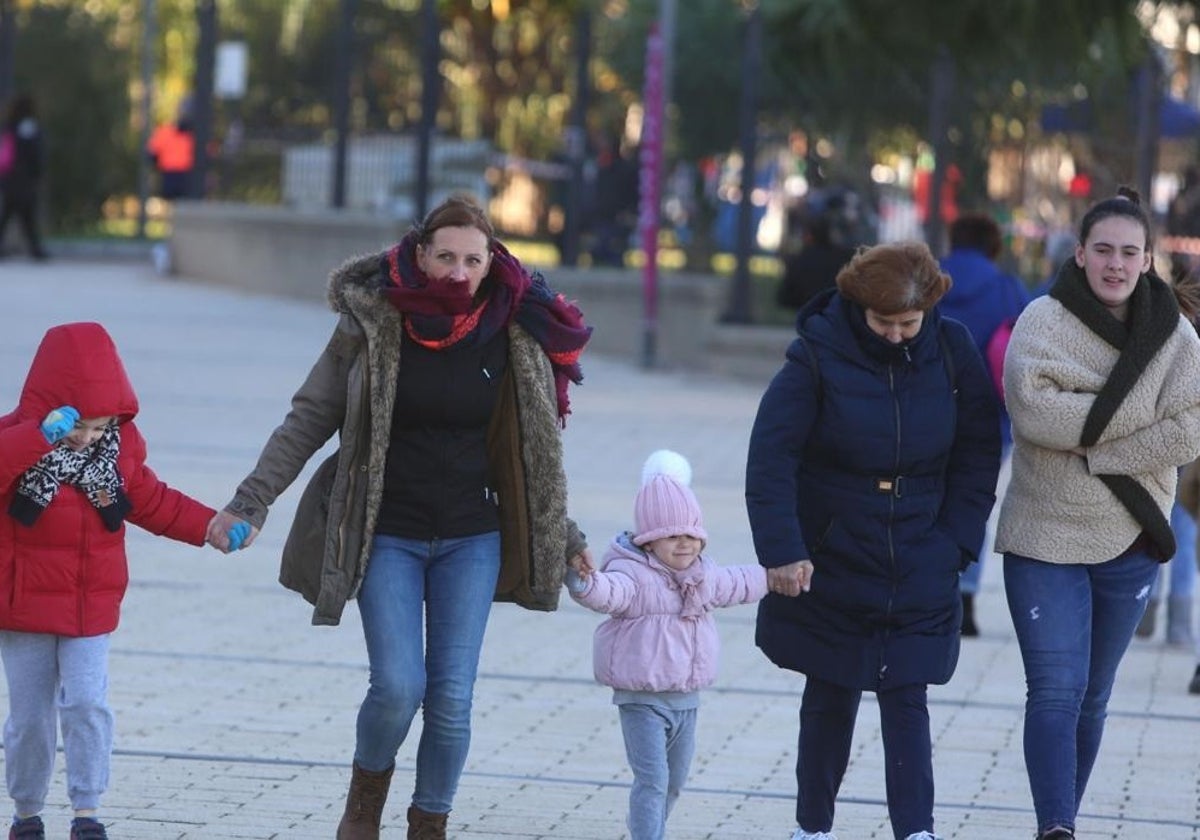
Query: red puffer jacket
[66,574]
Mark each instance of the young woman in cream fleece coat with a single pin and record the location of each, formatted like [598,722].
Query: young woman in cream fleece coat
[1102,382]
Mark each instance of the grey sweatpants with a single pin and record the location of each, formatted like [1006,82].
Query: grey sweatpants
[52,679]
[659,743]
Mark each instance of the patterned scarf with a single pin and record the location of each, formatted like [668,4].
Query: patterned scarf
[440,315]
[93,470]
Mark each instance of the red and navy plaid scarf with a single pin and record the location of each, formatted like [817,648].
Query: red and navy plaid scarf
[440,315]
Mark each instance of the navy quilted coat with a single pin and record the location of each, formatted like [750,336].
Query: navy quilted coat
[881,468]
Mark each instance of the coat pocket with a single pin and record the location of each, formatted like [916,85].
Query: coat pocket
[304,552]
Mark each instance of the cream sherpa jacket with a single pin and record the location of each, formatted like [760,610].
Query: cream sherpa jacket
[1056,508]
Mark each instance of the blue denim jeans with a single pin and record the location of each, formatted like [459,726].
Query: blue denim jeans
[827,716]
[1182,567]
[1074,622]
[424,607]
[659,744]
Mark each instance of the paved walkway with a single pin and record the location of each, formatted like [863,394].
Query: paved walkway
[235,717]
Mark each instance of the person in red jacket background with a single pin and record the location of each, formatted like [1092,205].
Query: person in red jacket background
[172,150]
[72,472]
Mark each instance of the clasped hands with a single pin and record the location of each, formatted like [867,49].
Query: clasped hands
[582,563]
[227,533]
[791,579]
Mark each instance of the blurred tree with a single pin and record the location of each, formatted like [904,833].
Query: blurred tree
[706,84]
[862,67]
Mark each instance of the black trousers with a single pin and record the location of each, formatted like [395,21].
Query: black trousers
[25,209]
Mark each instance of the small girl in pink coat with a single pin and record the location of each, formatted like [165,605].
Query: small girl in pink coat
[660,645]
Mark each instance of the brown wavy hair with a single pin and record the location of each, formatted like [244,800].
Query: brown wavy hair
[894,278]
[455,211]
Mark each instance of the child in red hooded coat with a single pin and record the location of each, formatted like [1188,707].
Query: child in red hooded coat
[72,472]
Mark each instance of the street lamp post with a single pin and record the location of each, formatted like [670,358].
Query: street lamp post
[941,95]
[341,98]
[430,80]
[576,145]
[739,310]
[202,92]
[147,111]
[1146,140]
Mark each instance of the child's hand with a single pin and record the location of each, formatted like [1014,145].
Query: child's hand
[227,533]
[237,535]
[59,423]
[582,563]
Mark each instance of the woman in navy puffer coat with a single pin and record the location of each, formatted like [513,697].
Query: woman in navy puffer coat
[871,472]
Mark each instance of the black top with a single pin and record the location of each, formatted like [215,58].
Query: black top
[436,477]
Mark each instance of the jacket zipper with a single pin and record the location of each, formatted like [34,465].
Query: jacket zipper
[892,514]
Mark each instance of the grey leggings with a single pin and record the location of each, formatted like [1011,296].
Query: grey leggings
[659,744]
[53,678]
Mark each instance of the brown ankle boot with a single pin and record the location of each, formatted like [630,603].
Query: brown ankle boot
[364,804]
[423,825]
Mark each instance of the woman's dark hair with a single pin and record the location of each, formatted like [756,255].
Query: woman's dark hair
[977,231]
[455,211]
[1185,283]
[894,278]
[1125,203]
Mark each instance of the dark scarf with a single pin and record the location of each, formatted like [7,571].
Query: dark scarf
[94,471]
[440,315]
[1153,319]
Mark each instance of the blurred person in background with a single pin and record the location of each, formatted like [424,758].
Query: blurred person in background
[1180,571]
[823,251]
[22,166]
[1188,499]
[988,301]
[613,214]
[172,150]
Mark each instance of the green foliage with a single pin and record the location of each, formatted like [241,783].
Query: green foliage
[707,78]
[66,60]
[865,66]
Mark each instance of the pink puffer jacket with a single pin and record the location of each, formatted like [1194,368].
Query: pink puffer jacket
[660,634]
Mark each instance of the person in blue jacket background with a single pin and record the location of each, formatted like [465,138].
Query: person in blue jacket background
[870,476]
[986,299]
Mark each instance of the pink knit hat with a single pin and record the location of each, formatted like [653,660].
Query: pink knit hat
[665,506]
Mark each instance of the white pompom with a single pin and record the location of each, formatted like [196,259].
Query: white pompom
[668,463]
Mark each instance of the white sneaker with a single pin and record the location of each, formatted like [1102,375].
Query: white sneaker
[923,835]
[801,834]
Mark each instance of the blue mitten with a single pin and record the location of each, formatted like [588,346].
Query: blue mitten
[237,535]
[59,423]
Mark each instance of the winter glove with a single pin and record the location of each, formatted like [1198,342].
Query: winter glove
[59,423]
[237,535]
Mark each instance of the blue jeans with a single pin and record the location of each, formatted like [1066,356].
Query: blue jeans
[1074,622]
[659,744]
[1182,567]
[827,716]
[442,590]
